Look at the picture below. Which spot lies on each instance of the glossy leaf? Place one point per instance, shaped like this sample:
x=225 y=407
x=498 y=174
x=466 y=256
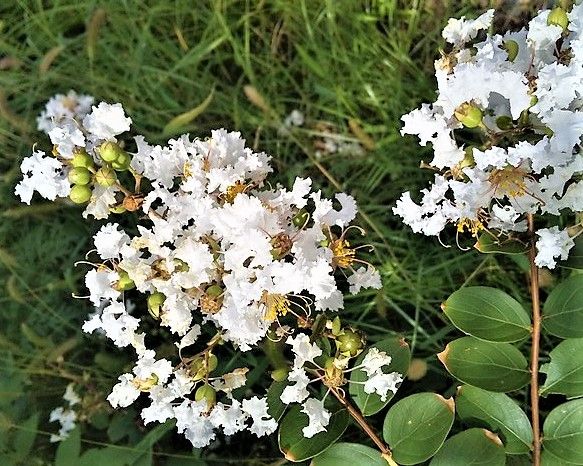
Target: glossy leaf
x=349 y=454
x=296 y=447
x=416 y=427
x=498 y=367
x=473 y=447
x=563 y=309
x=499 y=413
x=69 y=449
x=563 y=432
x=575 y=260
x=276 y=407
x=399 y=351
x=565 y=370
x=487 y=313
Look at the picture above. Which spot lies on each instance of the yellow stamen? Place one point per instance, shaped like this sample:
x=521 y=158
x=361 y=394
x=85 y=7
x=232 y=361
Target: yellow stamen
x=472 y=226
x=509 y=180
x=344 y=255
x=275 y=305
x=145 y=385
x=233 y=191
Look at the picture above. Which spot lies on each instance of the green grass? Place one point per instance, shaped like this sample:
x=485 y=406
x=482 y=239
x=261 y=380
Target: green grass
x=370 y=61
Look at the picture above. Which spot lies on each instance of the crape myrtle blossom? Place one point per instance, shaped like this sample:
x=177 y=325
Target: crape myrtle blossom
x=66 y=416
x=505 y=130
x=219 y=256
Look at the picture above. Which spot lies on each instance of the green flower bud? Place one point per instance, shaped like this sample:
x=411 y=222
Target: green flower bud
x=300 y=219
x=180 y=266
x=207 y=393
x=558 y=17
x=279 y=375
x=469 y=115
x=109 y=151
x=79 y=175
x=105 y=176
x=124 y=282
x=122 y=162
x=80 y=194
x=212 y=363
x=202 y=366
x=155 y=302
x=82 y=159
x=504 y=122
x=511 y=47
x=350 y=343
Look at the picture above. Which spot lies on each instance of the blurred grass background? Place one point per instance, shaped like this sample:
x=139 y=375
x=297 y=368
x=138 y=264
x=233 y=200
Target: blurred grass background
x=352 y=67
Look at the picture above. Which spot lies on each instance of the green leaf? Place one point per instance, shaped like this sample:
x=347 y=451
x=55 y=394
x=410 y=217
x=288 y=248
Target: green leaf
x=349 y=454
x=110 y=456
x=487 y=313
x=296 y=447
x=471 y=447
x=498 y=367
x=488 y=244
x=565 y=370
x=69 y=449
x=416 y=427
x=563 y=432
x=179 y=122
x=575 y=260
x=563 y=309
x=276 y=407
x=499 y=413
x=400 y=353
x=548 y=459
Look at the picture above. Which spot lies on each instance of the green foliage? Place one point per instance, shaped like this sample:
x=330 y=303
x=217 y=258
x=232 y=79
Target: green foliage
x=349 y=454
x=416 y=427
x=565 y=369
x=498 y=367
x=563 y=309
x=488 y=314
x=296 y=447
x=370 y=404
x=471 y=447
x=563 y=433
x=499 y=413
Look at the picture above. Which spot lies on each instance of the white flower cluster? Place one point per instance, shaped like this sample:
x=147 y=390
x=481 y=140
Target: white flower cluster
x=65 y=415
x=216 y=247
x=505 y=129
x=333 y=373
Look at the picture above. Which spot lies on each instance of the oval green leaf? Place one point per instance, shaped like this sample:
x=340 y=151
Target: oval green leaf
x=563 y=309
x=488 y=244
x=498 y=367
x=563 y=432
x=565 y=370
x=472 y=447
x=276 y=407
x=400 y=353
x=296 y=447
x=349 y=454
x=416 y=427
x=487 y=313
x=499 y=413
x=575 y=260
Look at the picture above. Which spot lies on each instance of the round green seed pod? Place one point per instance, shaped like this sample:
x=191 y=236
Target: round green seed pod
x=124 y=282
x=82 y=159
x=350 y=342
x=300 y=219
x=105 y=176
x=80 y=194
x=469 y=115
x=122 y=162
x=79 y=175
x=109 y=151
x=504 y=122
x=207 y=393
x=558 y=17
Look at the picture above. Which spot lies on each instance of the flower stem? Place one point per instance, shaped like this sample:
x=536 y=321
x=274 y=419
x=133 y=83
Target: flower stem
x=361 y=421
x=535 y=347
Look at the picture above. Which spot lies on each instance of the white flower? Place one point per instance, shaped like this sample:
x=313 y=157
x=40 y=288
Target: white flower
x=374 y=361
x=124 y=393
x=552 y=244
x=190 y=337
x=70 y=396
x=303 y=350
x=297 y=392
x=67 y=418
x=109 y=240
x=318 y=416
x=106 y=121
x=364 y=277
x=263 y=423
x=45 y=175
x=459 y=31
x=381 y=384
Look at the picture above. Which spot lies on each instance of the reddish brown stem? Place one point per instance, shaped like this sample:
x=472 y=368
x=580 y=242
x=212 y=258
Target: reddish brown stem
x=535 y=347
